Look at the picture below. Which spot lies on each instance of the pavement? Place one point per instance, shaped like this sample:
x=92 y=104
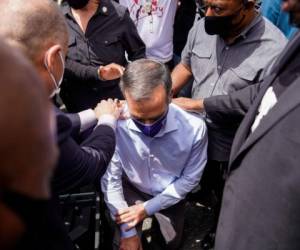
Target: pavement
x=198 y=222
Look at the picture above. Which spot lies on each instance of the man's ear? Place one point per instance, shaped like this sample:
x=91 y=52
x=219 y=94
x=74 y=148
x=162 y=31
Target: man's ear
x=249 y=4
x=51 y=57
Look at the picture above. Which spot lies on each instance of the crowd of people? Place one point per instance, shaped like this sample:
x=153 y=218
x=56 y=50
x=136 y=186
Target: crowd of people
x=107 y=94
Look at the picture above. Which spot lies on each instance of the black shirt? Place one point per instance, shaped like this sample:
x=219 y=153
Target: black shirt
x=109 y=34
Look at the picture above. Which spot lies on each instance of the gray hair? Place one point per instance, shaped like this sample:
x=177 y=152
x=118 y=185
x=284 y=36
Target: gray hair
x=144 y=75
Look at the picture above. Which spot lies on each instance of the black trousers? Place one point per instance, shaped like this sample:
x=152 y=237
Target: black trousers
x=170 y=220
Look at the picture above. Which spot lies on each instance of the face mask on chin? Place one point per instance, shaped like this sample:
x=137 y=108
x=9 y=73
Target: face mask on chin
x=151 y=129
x=56 y=84
x=77 y=4
x=221 y=25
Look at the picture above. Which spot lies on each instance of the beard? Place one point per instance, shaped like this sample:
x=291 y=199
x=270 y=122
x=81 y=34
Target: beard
x=294 y=20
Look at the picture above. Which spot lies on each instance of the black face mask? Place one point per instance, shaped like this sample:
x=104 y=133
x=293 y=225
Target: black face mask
x=220 y=25
x=77 y=4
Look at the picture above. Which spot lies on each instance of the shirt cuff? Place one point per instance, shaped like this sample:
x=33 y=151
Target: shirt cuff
x=108 y=120
x=129 y=233
x=152 y=206
x=87 y=119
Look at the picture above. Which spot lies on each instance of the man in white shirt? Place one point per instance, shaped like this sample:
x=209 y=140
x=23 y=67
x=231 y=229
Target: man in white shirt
x=159 y=157
x=154 y=20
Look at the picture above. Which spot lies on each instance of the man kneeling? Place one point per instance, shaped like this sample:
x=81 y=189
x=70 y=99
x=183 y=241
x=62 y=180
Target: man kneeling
x=159 y=158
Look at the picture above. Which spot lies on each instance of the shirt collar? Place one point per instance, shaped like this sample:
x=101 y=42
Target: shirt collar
x=256 y=20
x=170 y=125
x=103 y=9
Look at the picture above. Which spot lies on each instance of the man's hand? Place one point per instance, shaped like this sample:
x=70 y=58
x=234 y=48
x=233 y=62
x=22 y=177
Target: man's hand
x=189 y=104
x=131 y=215
x=110 y=72
x=124 y=112
x=131 y=243
x=109 y=107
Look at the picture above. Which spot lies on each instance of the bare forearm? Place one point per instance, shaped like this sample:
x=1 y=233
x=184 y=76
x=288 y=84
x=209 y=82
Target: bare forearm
x=189 y=104
x=180 y=76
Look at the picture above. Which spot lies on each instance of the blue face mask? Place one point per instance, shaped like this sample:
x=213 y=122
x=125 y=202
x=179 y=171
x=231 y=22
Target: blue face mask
x=151 y=129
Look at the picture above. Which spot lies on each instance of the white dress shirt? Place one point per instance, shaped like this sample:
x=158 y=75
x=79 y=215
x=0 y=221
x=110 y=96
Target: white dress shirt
x=167 y=166
x=88 y=119
x=267 y=103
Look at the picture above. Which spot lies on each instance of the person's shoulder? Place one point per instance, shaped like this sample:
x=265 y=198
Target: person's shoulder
x=122 y=127
x=118 y=9
x=188 y=120
x=198 y=25
x=198 y=36
x=65 y=8
x=272 y=33
x=63 y=125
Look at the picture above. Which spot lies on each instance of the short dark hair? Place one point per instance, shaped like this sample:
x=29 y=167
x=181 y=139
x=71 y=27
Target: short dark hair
x=142 y=76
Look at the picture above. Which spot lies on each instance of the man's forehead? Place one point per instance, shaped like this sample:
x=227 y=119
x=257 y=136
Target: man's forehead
x=216 y=1
x=220 y=2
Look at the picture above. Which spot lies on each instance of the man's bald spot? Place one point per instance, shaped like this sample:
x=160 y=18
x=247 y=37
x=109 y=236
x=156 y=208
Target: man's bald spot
x=33 y=25
x=27 y=144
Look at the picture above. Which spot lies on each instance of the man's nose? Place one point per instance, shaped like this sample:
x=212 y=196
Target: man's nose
x=209 y=11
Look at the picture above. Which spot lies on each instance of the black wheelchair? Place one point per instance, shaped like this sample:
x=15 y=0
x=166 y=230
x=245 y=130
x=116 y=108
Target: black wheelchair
x=84 y=218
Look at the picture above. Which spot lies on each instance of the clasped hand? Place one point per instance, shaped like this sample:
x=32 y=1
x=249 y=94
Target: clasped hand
x=131 y=215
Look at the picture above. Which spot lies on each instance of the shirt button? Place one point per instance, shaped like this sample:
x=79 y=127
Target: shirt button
x=219 y=67
x=227 y=48
x=106 y=42
x=104 y=9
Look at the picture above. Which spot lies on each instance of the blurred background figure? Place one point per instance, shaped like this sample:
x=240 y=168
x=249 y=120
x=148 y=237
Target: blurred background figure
x=27 y=151
x=154 y=21
x=100 y=33
x=184 y=20
x=78 y=164
x=271 y=9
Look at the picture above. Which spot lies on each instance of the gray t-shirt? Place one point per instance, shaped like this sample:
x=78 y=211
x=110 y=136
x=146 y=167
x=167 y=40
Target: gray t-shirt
x=219 y=68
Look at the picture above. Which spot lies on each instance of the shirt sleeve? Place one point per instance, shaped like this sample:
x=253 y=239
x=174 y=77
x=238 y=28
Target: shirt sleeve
x=230 y=109
x=108 y=120
x=133 y=44
x=87 y=119
x=187 y=51
x=187 y=181
x=111 y=185
x=76 y=70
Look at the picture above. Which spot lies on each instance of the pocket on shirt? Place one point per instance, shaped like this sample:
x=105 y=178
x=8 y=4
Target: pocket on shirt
x=74 y=52
x=109 y=50
x=241 y=77
x=202 y=66
x=200 y=61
